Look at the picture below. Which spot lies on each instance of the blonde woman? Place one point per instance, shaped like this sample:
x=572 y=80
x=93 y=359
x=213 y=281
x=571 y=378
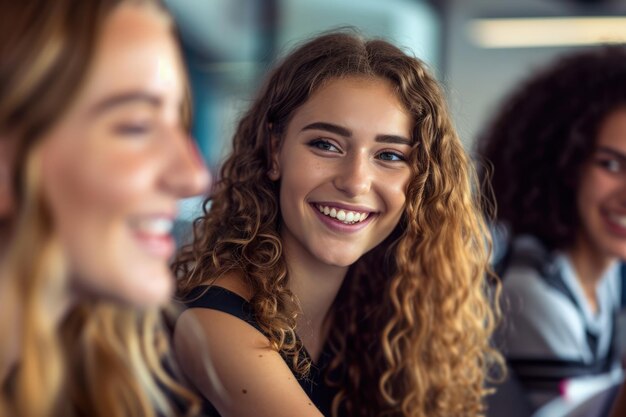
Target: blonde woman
x=93 y=158
x=339 y=268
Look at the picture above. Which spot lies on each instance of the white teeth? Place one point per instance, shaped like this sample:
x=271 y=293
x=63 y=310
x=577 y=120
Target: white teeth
x=347 y=217
x=621 y=220
x=154 y=226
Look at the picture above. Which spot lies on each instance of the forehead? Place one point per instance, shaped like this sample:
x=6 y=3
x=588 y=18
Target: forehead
x=612 y=131
x=365 y=102
x=136 y=50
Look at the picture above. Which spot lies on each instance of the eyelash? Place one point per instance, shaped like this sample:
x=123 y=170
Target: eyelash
x=401 y=157
x=610 y=165
x=318 y=143
x=324 y=145
x=133 y=129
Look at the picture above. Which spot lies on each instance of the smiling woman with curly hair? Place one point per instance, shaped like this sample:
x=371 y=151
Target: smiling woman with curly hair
x=558 y=150
x=343 y=248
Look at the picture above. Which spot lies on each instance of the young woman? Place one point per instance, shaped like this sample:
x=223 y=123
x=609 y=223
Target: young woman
x=93 y=158
x=558 y=149
x=339 y=267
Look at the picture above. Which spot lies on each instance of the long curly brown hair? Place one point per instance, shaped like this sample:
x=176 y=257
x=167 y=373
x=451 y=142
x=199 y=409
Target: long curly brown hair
x=417 y=303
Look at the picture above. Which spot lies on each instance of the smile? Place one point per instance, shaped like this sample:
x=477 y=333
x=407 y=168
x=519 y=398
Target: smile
x=344 y=216
x=155 y=226
x=621 y=220
x=153 y=233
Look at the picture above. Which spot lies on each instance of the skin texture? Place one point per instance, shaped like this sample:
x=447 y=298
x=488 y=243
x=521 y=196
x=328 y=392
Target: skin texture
x=359 y=172
x=601 y=202
x=363 y=171
x=115 y=164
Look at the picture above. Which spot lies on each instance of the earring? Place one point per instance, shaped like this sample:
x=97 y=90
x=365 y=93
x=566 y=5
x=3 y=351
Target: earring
x=273 y=174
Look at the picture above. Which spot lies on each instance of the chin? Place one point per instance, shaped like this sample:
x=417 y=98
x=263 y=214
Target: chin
x=341 y=262
x=148 y=289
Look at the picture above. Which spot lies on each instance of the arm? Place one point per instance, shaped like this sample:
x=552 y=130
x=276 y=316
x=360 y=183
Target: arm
x=248 y=377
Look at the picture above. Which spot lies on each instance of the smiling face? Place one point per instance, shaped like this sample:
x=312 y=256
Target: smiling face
x=116 y=163
x=343 y=171
x=602 y=192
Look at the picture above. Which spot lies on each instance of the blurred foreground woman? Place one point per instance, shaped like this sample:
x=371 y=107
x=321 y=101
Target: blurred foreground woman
x=93 y=158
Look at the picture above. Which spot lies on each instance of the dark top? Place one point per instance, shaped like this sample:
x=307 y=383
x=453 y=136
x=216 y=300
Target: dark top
x=221 y=299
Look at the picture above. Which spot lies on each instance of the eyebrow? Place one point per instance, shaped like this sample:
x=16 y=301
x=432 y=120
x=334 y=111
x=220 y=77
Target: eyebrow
x=123 y=99
x=345 y=132
x=611 y=151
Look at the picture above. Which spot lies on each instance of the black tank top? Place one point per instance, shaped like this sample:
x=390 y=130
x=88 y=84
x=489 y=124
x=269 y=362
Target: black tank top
x=314 y=384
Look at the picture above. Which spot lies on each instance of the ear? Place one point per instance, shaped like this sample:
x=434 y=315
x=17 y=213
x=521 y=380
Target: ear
x=274 y=171
x=6 y=185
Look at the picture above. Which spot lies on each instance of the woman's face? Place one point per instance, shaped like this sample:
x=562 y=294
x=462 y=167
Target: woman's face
x=602 y=192
x=343 y=171
x=116 y=163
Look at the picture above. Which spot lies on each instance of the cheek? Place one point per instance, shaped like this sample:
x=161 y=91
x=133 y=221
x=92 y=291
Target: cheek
x=91 y=201
x=84 y=186
x=596 y=188
x=598 y=192
x=396 y=192
x=75 y=194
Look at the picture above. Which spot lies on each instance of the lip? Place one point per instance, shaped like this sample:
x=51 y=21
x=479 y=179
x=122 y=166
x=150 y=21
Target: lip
x=339 y=227
x=156 y=244
x=349 y=207
x=614 y=227
x=160 y=246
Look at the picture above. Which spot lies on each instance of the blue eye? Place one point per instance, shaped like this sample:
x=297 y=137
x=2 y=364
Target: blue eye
x=391 y=156
x=611 y=165
x=323 y=145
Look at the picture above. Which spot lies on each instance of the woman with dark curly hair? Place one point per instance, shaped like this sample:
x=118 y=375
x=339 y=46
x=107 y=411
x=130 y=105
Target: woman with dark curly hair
x=339 y=266
x=558 y=150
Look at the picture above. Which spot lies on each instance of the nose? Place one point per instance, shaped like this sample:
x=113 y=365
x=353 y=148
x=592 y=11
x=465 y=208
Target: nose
x=354 y=176
x=187 y=174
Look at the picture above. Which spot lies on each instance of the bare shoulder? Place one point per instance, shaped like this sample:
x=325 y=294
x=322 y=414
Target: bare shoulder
x=235 y=282
x=233 y=365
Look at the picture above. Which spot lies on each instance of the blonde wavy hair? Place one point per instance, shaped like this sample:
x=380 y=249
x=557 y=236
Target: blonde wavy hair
x=104 y=359
x=413 y=319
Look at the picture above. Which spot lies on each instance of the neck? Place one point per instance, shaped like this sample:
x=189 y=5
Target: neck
x=315 y=285
x=590 y=265
x=316 y=290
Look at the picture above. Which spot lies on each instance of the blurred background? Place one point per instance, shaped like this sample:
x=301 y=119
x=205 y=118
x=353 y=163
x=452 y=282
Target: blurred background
x=478 y=49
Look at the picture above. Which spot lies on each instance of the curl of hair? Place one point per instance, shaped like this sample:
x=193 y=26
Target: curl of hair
x=544 y=133
x=416 y=303
x=104 y=359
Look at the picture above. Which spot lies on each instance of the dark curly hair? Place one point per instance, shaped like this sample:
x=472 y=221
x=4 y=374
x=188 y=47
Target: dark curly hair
x=543 y=135
x=413 y=320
